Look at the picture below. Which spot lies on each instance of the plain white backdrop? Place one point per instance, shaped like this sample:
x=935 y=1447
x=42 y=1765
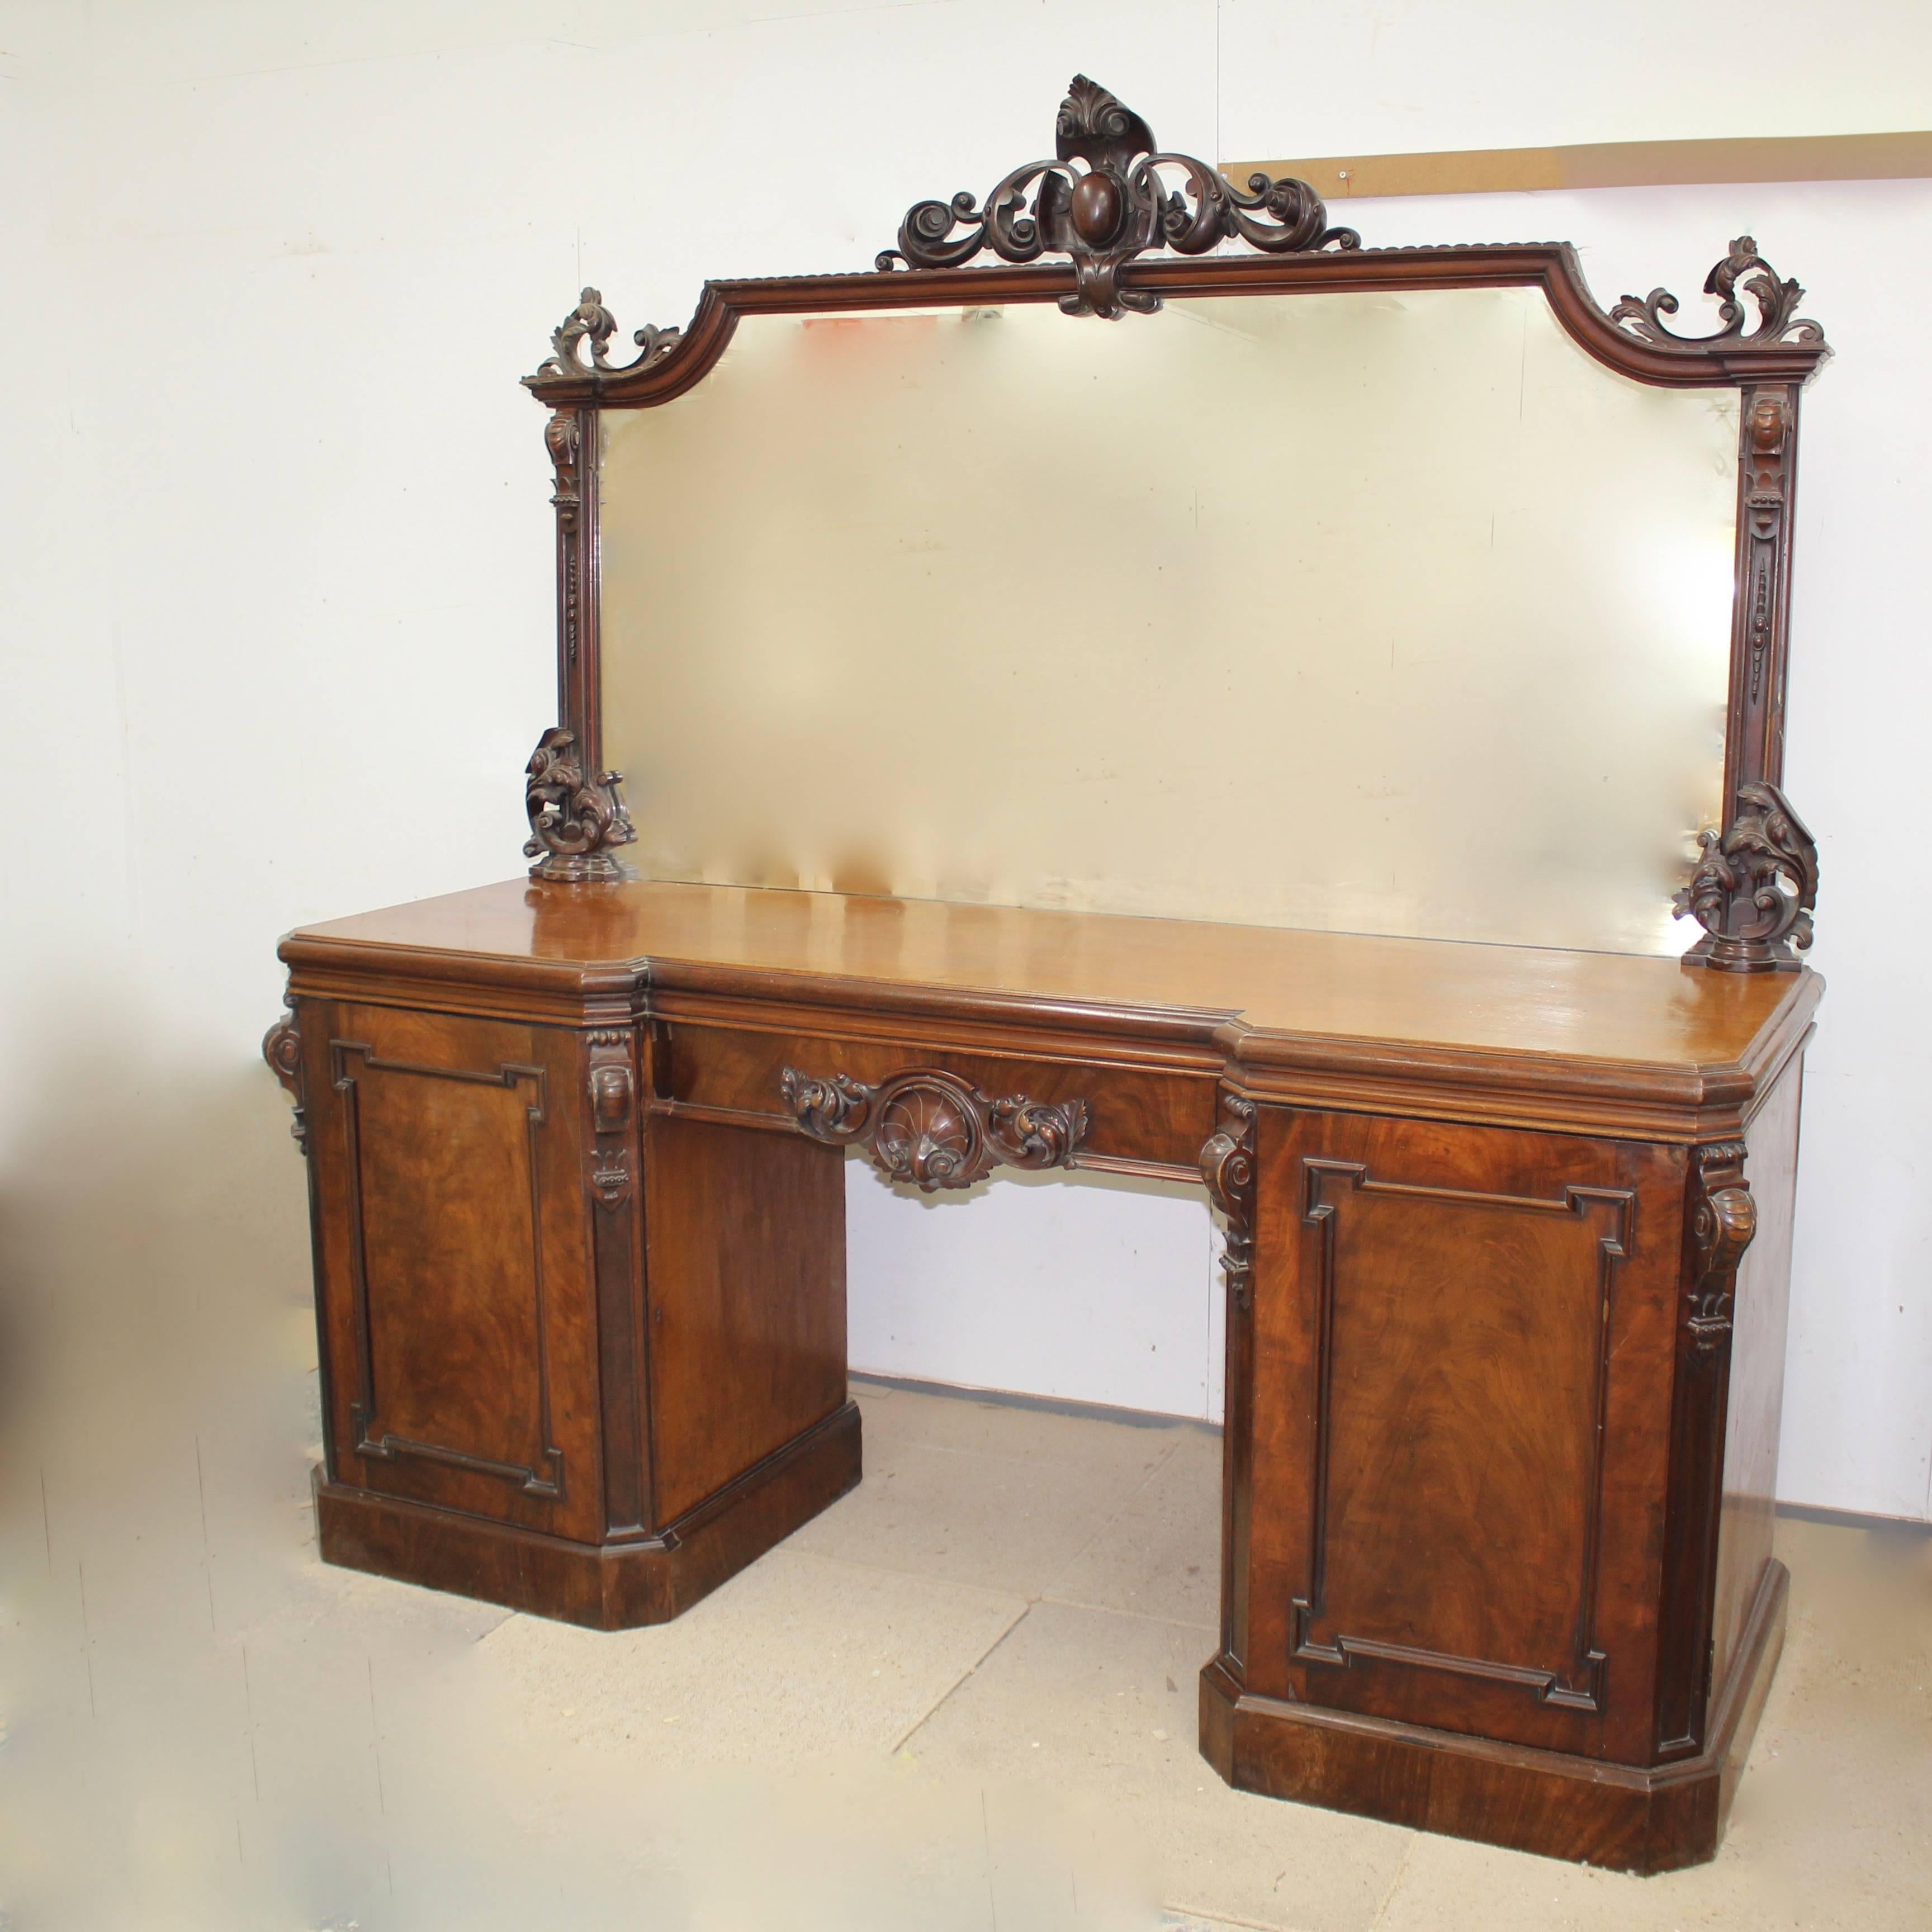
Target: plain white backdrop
x=277 y=588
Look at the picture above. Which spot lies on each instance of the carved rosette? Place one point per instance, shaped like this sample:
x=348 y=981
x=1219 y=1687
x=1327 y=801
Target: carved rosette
x=281 y=1048
x=933 y=1129
x=1723 y=1218
x=612 y=1095
x=590 y=322
x=1107 y=199
x=1228 y=1167
x=573 y=824
x=1776 y=302
x=1754 y=889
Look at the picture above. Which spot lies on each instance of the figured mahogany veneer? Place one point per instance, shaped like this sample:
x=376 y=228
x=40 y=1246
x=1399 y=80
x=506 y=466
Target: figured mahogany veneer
x=1508 y=1254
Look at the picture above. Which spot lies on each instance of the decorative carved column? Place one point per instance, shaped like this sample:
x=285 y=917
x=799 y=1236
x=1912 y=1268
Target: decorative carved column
x=612 y=1158
x=1721 y=1218
x=932 y=1128
x=1227 y=1165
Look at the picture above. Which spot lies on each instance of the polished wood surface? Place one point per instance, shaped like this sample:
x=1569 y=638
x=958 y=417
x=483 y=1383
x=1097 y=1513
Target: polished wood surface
x=1513 y=1000
x=745 y=1264
x=1496 y=1505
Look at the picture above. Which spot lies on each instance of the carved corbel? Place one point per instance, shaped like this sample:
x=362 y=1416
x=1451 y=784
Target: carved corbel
x=1105 y=200
x=1723 y=1218
x=574 y=823
x=1754 y=889
x=281 y=1048
x=932 y=1128
x=1228 y=1167
x=612 y=1094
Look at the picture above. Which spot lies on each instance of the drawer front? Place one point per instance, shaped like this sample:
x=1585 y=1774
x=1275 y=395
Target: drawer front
x=1463 y=1343
x=1149 y=1120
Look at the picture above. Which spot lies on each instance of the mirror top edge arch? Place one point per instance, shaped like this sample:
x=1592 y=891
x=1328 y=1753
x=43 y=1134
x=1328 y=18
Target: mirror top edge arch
x=674 y=361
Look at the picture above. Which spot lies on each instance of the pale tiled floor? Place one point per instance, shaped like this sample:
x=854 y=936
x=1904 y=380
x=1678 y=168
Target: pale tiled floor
x=965 y=1697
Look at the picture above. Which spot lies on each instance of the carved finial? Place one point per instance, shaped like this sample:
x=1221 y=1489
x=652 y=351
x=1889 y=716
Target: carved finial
x=572 y=823
x=1755 y=888
x=1776 y=303
x=1114 y=205
x=933 y=1128
x=591 y=322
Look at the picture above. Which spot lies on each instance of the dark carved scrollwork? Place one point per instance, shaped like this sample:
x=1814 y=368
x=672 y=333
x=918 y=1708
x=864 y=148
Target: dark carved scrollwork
x=281 y=1048
x=932 y=1128
x=1776 y=302
x=1228 y=1167
x=1723 y=1218
x=573 y=824
x=591 y=322
x=1754 y=889
x=1115 y=206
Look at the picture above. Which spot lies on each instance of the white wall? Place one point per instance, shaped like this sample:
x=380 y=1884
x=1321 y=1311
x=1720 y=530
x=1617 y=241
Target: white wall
x=276 y=591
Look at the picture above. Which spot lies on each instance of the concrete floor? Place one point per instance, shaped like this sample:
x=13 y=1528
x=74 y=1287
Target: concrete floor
x=965 y=1697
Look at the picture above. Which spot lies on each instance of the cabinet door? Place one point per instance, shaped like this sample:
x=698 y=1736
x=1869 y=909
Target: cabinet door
x=1463 y=1352
x=457 y=1312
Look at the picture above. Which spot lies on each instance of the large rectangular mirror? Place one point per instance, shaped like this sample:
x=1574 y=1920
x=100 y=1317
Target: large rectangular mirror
x=1380 y=612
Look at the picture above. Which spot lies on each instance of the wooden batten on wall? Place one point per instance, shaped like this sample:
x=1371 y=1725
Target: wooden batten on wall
x=1902 y=156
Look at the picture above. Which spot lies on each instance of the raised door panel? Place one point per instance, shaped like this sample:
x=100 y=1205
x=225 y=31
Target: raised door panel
x=461 y=1338
x=1462 y=1365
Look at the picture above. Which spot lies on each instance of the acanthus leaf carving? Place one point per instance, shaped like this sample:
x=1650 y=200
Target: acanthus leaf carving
x=1228 y=1167
x=1755 y=886
x=281 y=1048
x=933 y=1129
x=1107 y=199
x=590 y=322
x=573 y=822
x=1723 y=1218
x=1776 y=302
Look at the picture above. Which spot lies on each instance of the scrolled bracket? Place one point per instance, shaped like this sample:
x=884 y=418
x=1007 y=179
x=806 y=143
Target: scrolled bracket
x=1228 y=1167
x=1723 y=1218
x=281 y=1048
x=933 y=1129
x=1755 y=888
x=573 y=822
x=1775 y=301
x=1105 y=199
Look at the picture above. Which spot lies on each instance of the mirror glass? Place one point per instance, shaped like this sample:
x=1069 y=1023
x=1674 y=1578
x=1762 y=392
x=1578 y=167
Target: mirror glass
x=1392 y=613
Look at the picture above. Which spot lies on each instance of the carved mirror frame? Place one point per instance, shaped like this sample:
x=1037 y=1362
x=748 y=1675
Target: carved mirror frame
x=1109 y=200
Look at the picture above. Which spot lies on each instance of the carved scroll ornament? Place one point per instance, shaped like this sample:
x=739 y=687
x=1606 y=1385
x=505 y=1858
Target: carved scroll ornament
x=1114 y=205
x=1228 y=1167
x=1723 y=1218
x=1754 y=889
x=1776 y=302
x=281 y=1048
x=932 y=1128
x=591 y=322
x=573 y=824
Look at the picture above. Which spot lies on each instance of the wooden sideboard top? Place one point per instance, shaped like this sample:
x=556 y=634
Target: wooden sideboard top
x=1631 y=1009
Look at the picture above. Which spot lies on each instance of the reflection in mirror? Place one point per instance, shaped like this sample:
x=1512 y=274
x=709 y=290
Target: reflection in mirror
x=1380 y=613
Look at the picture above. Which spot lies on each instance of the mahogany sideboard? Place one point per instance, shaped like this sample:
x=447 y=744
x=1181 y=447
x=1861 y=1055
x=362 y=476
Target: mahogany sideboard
x=1507 y=1260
